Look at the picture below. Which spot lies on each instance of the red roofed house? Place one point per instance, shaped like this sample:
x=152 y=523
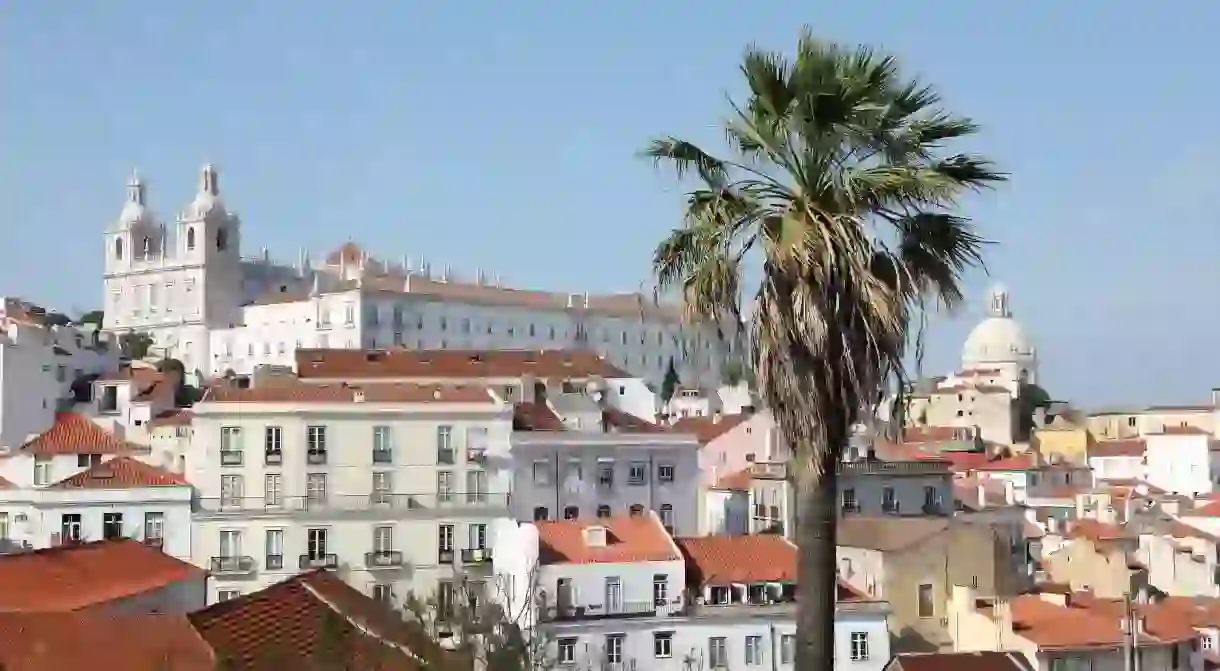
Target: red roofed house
x=620 y=589
x=77 y=482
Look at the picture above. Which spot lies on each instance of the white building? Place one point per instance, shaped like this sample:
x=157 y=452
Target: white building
x=574 y=458
x=393 y=484
x=1117 y=459
x=76 y=482
x=186 y=284
x=623 y=592
x=1180 y=460
x=39 y=363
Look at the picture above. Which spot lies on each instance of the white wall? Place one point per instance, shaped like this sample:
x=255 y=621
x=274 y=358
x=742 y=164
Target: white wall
x=1180 y=464
x=1117 y=468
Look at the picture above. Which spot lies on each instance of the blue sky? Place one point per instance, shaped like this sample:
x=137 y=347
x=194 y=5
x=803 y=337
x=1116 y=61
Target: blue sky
x=502 y=136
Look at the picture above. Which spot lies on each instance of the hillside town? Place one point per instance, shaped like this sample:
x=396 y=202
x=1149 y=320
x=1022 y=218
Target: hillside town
x=241 y=458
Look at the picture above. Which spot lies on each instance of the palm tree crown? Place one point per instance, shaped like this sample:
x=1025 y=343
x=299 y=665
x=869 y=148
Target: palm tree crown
x=837 y=180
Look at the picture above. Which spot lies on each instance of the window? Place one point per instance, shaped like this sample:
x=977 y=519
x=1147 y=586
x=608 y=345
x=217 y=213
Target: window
x=859 y=646
x=476 y=537
x=1131 y=422
x=930 y=498
x=542 y=472
x=636 y=510
x=88 y=460
x=660 y=589
x=571 y=513
x=614 y=648
x=118 y=249
x=190 y=239
x=787 y=649
x=718 y=652
x=231 y=490
x=444 y=444
x=476 y=486
x=666 y=513
x=754 y=652
x=70 y=528
x=316 y=543
x=383 y=539
x=230 y=544
x=575 y=473
x=567 y=651
x=382 y=445
x=540 y=514
x=112 y=525
x=275 y=549
x=444 y=485
x=227 y=594
x=637 y=473
x=42 y=471
x=444 y=537
x=222 y=239
x=273 y=490
x=273 y=445
x=889 y=500
x=230 y=445
x=383 y=486
x=315 y=488
x=315 y=439
x=603 y=511
x=4 y=528
x=614 y=595
x=662 y=644
x=605 y=474
x=665 y=472
x=926 y=604
x=383 y=594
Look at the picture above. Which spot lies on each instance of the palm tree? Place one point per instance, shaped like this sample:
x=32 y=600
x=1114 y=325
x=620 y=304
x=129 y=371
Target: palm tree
x=839 y=187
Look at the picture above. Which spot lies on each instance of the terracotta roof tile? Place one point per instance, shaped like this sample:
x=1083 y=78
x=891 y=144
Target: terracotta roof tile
x=959 y=661
x=442 y=364
x=536 y=417
x=101 y=641
x=1117 y=448
x=121 y=473
x=1179 y=431
x=721 y=560
x=1084 y=622
x=739 y=481
x=1097 y=531
x=299 y=392
x=74 y=433
x=74 y=577
x=628 y=539
x=920 y=434
x=1200 y=611
x=300 y=622
x=618 y=421
x=1209 y=509
x=347 y=253
x=707 y=429
x=1018 y=462
x=174 y=417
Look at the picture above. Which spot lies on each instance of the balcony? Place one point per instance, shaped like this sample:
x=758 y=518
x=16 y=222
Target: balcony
x=383 y=559
x=476 y=556
x=274 y=563
x=274 y=458
x=238 y=565
x=444 y=556
x=476 y=455
x=230 y=457
x=383 y=456
x=567 y=613
x=477 y=503
x=315 y=457
x=889 y=507
x=768 y=470
x=932 y=508
x=312 y=561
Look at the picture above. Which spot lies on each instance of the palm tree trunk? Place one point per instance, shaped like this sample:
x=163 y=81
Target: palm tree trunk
x=817 y=583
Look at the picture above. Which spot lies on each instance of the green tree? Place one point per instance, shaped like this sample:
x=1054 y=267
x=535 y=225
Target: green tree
x=669 y=386
x=836 y=181
x=134 y=345
x=93 y=317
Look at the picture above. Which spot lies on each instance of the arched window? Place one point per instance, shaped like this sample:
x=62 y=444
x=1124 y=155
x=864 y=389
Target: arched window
x=147 y=247
x=222 y=239
x=118 y=249
x=571 y=513
x=603 y=511
x=540 y=514
x=190 y=238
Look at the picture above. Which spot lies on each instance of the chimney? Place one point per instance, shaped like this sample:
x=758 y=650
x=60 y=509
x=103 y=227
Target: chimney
x=1216 y=396
x=982 y=496
x=358 y=397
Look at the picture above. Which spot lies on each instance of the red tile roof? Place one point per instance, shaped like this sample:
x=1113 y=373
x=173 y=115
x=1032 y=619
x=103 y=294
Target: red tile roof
x=628 y=539
x=707 y=429
x=121 y=473
x=1097 y=531
x=175 y=417
x=5 y=484
x=441 y=364
x=74 y=577
x=928 y=434
x=1085 y=622
x=1018 y=462
x=1118 y=448
x=74 y=433
x=540 y=417
x=1209 y=509
x=958 y=661
x=299 y=392
x=1179 y=431
x=315 y=619
x=101 y=641
x=720 y=560
x=618 y=421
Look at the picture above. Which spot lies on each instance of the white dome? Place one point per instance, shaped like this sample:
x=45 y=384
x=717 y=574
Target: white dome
x=997 y=340
x=135 y=212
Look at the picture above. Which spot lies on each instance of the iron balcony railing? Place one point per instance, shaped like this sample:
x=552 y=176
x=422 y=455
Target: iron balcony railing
x=230 y=457
x=595 y=611
x=444 y=556
x=274 y=458
x=315 y=457
x=340 y=503
x=476 y=556
x=383 y=559
x=232 y=565
x=314 y=560
x=274 y=562
x=383 y=456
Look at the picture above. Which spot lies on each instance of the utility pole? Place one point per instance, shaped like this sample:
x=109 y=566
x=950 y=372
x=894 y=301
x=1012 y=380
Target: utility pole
x=1125 y=625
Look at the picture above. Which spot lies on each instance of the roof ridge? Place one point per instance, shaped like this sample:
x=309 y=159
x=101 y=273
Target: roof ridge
x=361 y=626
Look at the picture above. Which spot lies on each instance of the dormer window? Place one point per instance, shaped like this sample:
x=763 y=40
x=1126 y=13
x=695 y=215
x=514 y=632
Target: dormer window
x=596 y=536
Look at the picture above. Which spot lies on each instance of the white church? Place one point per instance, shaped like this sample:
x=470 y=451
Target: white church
x=997 y=359
x=186 y=284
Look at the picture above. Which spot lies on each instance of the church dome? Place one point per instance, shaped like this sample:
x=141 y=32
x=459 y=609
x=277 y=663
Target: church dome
x=998 y=338
x=207 y=199
x=135 y=211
